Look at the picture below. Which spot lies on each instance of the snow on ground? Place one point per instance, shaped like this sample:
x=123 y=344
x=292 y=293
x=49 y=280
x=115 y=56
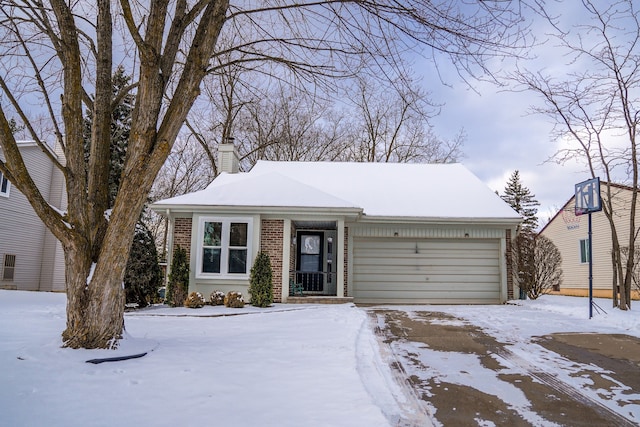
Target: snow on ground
x=285 y=366
x=289 y=365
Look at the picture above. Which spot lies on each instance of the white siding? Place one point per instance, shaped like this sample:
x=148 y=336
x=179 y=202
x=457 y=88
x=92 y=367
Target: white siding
x=402 y=270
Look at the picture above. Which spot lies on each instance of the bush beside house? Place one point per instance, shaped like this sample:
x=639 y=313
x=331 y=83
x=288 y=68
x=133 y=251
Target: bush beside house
x=216 y=298
x=234 y=299
x=194 y=300
x=261 y=281
x=178 y=286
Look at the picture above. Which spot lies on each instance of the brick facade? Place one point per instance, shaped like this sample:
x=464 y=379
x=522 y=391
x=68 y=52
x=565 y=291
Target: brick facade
x=509 y=261
x=271 y=241
x=182 y=229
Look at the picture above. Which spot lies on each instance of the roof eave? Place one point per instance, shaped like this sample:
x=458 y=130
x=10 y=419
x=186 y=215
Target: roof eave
x=495 y=221
x=165 y=209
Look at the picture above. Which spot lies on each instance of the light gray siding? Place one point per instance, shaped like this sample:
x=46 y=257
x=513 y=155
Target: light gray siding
x=23 y=234
x=436 y=271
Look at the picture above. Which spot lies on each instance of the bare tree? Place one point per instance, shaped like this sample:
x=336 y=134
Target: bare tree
x=62 y=55
x=184 y=171
x=537 y=262
x=290 y=124
x=547 y=273
x=390 y=123
x=597 y=109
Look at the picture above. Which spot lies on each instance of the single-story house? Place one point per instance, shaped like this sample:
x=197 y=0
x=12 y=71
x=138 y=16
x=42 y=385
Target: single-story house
x=366 y=232
x=570 y=233
x=31 y=258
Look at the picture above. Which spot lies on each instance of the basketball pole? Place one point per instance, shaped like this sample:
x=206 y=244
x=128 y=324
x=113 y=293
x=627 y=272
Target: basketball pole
x=590 y=272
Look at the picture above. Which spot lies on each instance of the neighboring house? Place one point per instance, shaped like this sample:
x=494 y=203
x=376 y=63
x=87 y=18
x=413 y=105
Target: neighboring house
x=570 y=233
x=31 y=258
x=367 y=232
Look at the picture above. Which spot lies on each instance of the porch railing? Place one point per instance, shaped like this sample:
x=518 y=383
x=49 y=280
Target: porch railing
x=315 y=281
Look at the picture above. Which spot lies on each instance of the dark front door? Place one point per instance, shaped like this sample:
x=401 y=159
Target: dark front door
x=310 y=260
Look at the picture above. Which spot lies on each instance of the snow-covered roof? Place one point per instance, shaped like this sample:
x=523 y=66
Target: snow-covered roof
x=376 y=189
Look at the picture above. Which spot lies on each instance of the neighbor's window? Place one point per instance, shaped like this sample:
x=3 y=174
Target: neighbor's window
x=9 y=267
x=225 y=246
x=584 y=251
x=4 y=185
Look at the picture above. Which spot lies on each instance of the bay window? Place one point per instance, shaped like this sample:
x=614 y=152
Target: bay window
x=224 y=246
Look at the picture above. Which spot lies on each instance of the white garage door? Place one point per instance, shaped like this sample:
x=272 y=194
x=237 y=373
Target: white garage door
x=436 y=271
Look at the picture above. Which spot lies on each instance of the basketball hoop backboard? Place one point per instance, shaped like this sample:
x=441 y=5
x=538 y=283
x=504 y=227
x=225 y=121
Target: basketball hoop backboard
x=588 y=197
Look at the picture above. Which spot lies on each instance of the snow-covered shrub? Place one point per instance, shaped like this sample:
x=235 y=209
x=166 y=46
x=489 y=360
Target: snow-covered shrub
x=234 y=299
x=216 y=298
x=194 y=300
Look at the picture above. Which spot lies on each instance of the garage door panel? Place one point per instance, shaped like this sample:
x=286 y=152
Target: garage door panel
x=399 y=263
x=427 y=270
x=399 y=279
x=431 y=287
x=439 y=244
x=435 y=296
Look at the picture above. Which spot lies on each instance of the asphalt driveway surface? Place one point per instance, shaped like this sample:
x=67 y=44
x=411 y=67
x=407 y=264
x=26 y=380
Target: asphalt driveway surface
x=464 y=377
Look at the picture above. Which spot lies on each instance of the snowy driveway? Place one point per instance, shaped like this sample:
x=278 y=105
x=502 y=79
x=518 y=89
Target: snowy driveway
x=509 y=365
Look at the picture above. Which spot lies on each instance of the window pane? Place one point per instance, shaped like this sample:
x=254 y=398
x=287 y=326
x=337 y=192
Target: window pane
x=238 y=234
x=3 y=184
x=584 y=250
x=238 y=261
x=211 y=260
x=212 y=234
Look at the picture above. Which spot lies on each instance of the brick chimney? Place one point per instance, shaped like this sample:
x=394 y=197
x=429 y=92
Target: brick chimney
x=228 y=158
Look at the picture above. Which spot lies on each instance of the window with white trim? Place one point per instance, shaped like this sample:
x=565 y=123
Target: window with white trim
x=584 y=251
x=4 y=185
x=224 y=247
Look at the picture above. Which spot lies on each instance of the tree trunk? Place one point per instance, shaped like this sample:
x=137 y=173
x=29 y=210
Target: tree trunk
x=95 y=301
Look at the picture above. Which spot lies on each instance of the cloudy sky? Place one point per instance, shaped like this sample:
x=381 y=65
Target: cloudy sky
x=502 y=134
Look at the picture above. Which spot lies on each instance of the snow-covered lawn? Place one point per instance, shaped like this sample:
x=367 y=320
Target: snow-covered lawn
x=289 y=365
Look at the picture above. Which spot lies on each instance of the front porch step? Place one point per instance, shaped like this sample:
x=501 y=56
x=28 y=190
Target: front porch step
x=311 y=299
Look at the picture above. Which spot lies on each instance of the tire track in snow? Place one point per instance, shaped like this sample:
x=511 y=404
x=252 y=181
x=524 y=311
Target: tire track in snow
x=371 y=345
x=510 y=359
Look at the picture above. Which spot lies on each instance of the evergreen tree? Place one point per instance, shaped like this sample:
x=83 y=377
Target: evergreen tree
x=14 y=127
x=522 y=201
x=178 y=278
x=261 y=281
x=120 y=130
x=143 y=276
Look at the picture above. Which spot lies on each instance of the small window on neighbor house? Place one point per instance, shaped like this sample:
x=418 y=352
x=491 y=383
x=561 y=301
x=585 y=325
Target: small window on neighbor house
x=584 y=251
x=9 y=267
x=4 y=185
